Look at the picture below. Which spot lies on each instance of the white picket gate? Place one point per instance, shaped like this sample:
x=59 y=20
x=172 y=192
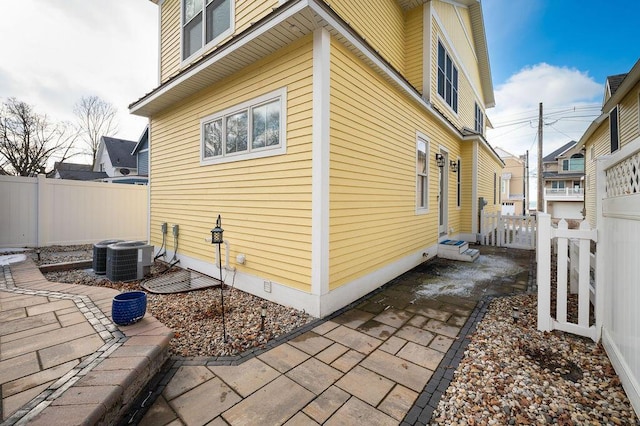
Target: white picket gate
x=561 y=237
x=513 y=231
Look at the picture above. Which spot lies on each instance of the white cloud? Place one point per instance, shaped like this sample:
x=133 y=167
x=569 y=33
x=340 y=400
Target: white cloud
x=571 y=101
x=75 y=48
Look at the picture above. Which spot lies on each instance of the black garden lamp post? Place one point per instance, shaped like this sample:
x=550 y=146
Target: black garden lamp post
x=216 y=238
x=263 y=314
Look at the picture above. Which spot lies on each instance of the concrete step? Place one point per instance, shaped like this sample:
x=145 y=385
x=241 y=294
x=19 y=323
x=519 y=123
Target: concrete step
x=469 y=255
x=452 y=247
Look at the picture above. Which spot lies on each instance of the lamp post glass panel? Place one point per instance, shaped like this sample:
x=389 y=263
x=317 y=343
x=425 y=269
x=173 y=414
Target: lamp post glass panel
x=216 y=238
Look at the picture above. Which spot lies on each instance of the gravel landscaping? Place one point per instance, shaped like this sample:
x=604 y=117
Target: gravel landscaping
x=512 y=374
x=195 y=317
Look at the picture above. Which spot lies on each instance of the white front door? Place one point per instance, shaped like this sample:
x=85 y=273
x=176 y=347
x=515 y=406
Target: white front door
x=442 y=196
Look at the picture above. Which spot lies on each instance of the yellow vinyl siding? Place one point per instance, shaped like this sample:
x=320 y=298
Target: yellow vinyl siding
x=373 y=218
x=380 y=23
x=247 y=12
x=414 y=47
x=466 y=166
x=170 y=28
x=600 y=140
x=266 y=202
x=628 y=116
x=487 y=166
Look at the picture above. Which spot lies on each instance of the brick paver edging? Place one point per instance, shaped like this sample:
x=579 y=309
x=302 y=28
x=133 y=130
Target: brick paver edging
x=107 y=330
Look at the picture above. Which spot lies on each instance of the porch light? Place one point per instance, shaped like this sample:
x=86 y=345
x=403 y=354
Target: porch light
x=453 y=165
x=216 y=233
x=439 y=160
x=216 y=238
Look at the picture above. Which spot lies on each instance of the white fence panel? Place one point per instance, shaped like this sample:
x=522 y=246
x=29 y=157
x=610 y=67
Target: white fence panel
x=560 y=237
x=508 y=230
x=42 y=212
x=618 y=221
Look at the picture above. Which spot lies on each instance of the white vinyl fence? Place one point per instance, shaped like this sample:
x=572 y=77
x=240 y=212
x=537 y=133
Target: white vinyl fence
x=506 y=230
x=617 y=268
x=36 y=212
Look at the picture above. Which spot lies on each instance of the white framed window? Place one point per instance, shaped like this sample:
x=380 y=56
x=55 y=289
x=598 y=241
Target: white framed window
x=479 y=122
x=447 y=78
x=422 y=174
x=253 y=129
x=205 y=22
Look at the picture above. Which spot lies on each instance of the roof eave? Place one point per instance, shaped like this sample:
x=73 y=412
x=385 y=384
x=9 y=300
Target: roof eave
x=627 y=84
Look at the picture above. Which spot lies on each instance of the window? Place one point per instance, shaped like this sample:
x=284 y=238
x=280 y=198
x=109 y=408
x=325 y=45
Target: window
x=447 y=78
x=575 y=163
x=593 y=153
x=250 y=130
x=557 y=184
x=203 y=22
x=479 y=126
x=459 y=185
x=422 y=170
x=613 y=127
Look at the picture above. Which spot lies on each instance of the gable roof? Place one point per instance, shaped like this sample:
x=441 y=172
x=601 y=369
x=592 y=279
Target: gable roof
x=72 y=166
x=143 y=141
x=81 y=174
x=614 y=81
x=551 y=158
x=119 y=151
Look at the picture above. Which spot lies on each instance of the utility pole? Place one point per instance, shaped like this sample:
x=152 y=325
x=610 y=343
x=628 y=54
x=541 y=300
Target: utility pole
x=525 y=183
x=540 y=203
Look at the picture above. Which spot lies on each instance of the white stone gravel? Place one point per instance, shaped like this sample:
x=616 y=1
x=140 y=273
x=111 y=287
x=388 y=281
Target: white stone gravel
x=513 y=374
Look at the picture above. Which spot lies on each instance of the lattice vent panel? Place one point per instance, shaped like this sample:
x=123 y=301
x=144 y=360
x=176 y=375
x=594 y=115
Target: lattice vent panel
x=624 y=177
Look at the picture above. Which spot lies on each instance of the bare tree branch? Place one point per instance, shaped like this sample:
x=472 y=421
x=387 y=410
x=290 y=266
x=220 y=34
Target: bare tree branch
x=29 y=139
x=95 y=118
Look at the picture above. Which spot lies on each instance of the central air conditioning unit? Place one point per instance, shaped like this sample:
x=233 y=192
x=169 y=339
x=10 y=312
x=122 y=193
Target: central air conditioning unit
x=100 y=256
x=129 y=260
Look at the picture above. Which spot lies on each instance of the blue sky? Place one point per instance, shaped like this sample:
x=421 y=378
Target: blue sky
x=598 y=37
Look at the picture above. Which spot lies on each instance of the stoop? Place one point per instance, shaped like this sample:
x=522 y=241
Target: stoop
x=457 y=250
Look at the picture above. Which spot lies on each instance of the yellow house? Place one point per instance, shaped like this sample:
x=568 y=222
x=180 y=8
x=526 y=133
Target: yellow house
x=514 y=191
x=617 y=126
x=339 y=142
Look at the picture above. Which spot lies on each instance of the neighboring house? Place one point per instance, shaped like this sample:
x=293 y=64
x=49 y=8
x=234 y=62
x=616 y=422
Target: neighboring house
x=75 y=171
x=563 y=180
x=141 y=152
x=118 y=158
x=318 y=132
x=514 y=190
x=617 y=126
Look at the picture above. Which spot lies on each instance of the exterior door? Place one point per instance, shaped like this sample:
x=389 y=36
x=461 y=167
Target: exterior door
x=442 y=196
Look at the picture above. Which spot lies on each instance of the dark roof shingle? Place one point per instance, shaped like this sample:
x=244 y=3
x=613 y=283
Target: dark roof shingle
x=119 y=151
x=550 y=158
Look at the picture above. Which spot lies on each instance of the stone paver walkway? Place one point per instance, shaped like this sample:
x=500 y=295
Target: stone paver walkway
x=62 y=360
x=385 y=361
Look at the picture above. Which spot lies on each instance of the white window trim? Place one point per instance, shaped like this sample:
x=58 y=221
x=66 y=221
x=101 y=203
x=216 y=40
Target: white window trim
x=455 y=64
x=262 y=152
x=422 y=137
x=184 y=62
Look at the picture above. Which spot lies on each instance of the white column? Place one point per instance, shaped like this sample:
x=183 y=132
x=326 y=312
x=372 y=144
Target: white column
x=320 y=164
x=544 y=272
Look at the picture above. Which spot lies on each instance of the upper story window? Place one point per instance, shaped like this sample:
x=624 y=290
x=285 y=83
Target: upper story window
x=447 y=78
x=613 y=128
x=203 y=22
x=479 y=124
x=573 y=164
x=249 y=130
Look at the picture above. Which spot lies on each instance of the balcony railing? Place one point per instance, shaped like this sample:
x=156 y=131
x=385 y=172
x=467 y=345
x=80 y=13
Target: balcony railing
x=564 y=193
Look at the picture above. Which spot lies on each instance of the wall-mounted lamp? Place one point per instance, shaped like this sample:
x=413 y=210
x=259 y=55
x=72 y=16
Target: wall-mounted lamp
x=439 y=160
x=453 y=165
